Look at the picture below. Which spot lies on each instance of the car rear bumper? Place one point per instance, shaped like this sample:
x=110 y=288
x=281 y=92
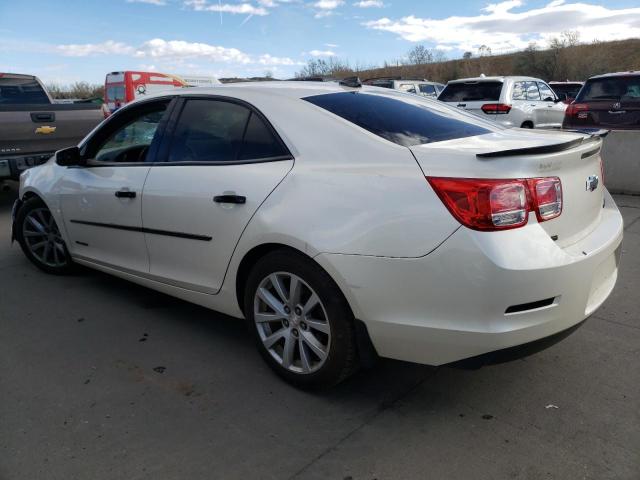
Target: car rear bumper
x=480 y=292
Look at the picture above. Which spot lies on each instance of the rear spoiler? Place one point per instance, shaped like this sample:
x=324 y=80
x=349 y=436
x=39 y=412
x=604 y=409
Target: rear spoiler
x=593 y=133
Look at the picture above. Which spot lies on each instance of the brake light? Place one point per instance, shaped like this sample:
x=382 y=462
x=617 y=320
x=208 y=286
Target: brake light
x=499 y=204
x=496 y=108
x=576 y=110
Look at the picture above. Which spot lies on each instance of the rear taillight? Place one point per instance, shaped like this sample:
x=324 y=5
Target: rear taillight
x=576 y=110
x=496 y=108
x=499 y=204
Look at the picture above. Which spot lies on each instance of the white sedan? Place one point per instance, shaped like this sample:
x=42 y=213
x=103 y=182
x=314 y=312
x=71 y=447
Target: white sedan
x=340 y=221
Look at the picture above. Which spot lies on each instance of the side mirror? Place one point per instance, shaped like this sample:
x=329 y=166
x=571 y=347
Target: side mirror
x=69 y=157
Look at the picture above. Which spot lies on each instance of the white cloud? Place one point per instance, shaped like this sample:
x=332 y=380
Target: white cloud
x=150 y=2
x=235 y=8
x=109 y=47
x=325 y=8
x=331 y=45
x=502 y=29
x=322 y=53
x=176 y=51
x=369 y=4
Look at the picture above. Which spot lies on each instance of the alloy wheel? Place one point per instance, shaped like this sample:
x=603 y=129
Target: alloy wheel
x=292 y=322
x=43 y=238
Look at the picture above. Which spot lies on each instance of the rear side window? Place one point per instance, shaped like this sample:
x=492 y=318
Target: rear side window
x=219 y=131
x=611 y=88
x=471 y=92
x=400 y=122
x=21 y=91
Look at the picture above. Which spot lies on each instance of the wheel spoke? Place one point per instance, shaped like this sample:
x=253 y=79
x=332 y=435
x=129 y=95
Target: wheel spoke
x=31 y=233
x=38 y=245
x=267 y=317
x=45 y=255
x=311 y=303
x=59 y=246
x=318 y=325
x=36 y=224
x=304 y=357
x=41 y=217
x=294 y=290
x=279 y=287
x=55 y=254
x=289 y=348
x=274 y=337
x=313 y=343
x=276 y=305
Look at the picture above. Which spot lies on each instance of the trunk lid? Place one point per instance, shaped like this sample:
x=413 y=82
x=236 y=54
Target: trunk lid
x=573 y=158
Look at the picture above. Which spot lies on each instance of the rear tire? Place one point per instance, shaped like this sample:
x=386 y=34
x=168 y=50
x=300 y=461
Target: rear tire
x=527 y=125
x=40 y=238
x=301 y=322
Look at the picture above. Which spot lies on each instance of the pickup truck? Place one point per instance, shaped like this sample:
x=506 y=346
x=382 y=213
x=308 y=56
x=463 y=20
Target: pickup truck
x=33 y=126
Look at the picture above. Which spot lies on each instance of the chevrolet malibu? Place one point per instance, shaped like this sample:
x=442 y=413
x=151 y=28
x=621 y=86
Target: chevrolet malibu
x=341 y=221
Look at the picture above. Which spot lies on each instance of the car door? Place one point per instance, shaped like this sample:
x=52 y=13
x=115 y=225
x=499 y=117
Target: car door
x=101 y=200
x=221 y=162
x=554 y=112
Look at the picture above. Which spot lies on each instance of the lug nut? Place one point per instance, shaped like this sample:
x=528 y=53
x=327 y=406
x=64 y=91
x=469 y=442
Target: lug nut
x=298 y=311
x=287 y=310
x=294 y=332
x=303 y=325
x=285 y=323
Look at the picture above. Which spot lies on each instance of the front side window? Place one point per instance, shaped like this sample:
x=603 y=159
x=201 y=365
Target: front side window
x=130 y=142
x=398 y=121
x=532 y=91
x=546 y=93
x=525 y=91
x=221 y=131
x=407 y=87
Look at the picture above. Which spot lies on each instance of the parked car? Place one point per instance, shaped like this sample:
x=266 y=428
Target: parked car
x=33 y=126
x=304 y=208
x=607 y=101
x=121 y=88
x=420 y=87
x=566 y=91
x=523 y=102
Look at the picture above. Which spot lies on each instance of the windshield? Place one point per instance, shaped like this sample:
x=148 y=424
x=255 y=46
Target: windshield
x=471 y=92
x=611 y=88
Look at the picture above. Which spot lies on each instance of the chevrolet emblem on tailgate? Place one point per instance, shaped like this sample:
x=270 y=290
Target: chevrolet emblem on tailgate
x=592 y=183
x=45 y=130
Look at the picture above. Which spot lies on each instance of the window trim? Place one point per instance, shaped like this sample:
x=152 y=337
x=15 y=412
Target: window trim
x=117 y=117
x=174 y=117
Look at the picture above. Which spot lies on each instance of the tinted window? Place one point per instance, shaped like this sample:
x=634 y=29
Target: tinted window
x=545 y=92
x=15 y=91
x=395 y=120
x=209 y=131
x=259 y=142
x=471 y=91
x=570 y=89
x=612 y=88
x=131 y=140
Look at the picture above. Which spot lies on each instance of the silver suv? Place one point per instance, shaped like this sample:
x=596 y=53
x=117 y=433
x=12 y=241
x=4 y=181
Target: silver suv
x=524 y=102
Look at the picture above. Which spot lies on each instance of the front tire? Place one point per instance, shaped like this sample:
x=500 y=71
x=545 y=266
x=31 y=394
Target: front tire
x=40 y=238
x=302 y=324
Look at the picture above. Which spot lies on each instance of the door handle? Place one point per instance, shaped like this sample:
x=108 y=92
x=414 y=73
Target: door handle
x=125 y=194
x=43 y=117
x=237 y=199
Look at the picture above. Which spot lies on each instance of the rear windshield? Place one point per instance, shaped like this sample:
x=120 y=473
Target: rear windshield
x=570 y=89
x=400 y=122
x=611 y=88
x=115 y=93
x=471 y=92
x=21 y=91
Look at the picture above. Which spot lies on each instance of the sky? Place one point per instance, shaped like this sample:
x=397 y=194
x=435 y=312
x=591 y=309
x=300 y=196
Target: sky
x=63 y=41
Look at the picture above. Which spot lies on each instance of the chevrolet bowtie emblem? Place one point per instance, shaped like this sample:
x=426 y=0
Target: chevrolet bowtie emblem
x=45 y=130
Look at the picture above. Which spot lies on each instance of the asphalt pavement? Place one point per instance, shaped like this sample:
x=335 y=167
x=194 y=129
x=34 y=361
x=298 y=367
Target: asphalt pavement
x=103 y=379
